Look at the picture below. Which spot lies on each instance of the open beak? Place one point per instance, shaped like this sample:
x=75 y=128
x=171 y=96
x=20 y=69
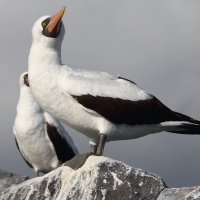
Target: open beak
x=54 y=25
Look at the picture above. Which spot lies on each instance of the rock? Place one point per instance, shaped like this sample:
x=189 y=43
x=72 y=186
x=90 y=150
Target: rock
x=45 y=187
x=99 y=178
x=77 y=161
x=7 y=179
x=192 y=193
x=88 y=177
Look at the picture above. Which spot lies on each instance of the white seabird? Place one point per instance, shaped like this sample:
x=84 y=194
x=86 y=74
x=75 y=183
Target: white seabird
x=42 y=140
x=101 y=106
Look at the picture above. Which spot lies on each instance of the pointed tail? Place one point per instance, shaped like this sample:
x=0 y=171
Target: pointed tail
x=189 y=126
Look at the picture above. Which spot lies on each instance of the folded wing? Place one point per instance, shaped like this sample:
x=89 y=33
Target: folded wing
x=119 y=101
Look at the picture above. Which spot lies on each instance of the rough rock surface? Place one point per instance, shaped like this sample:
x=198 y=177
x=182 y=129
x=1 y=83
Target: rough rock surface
x=7 y=179
x=192 y=193
x=99 y=178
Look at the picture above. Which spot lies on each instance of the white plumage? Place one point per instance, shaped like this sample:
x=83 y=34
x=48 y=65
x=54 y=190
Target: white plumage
x=41 y=139
x=94 y=103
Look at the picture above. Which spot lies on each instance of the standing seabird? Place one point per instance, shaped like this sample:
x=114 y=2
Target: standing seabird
x=101 y=106
x=42 y=141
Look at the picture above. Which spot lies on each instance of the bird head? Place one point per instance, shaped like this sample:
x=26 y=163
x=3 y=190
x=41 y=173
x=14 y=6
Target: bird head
x=49 y=29
x=23 y=80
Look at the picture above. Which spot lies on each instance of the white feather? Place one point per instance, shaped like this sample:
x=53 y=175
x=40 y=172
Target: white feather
x=30 y=132
x=53 y=85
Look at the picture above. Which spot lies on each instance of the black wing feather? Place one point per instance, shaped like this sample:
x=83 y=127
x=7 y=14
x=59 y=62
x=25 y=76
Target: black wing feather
x=120 y=111
x=63 y=150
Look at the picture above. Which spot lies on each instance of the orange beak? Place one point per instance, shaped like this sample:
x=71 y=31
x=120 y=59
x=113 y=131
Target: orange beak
x=55 y=19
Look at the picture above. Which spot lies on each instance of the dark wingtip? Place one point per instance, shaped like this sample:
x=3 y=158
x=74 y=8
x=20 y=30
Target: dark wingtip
x=63 y=150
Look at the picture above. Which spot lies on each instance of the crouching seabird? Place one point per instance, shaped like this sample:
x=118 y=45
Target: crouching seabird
x=42 y=141
x=101 y=106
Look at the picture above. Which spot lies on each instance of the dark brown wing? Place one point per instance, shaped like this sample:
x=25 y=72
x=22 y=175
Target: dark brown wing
x=63 y=150
x=120 y=111
x=29 y=164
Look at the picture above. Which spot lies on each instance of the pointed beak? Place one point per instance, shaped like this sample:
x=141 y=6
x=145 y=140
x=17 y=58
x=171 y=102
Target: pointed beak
x=55 y=20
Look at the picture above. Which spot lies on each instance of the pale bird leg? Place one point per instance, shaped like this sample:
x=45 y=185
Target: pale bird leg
x=93 y=148
x=36 y=173
x=101 y=145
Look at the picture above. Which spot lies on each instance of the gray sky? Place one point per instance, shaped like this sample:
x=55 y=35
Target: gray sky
x=153 y=43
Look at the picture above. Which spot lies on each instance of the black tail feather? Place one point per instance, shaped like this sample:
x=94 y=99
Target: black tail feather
x=184 y=128
x=187 y=118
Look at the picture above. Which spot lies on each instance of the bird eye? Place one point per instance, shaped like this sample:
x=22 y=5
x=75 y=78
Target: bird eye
x=44 y=24
x=25 y=76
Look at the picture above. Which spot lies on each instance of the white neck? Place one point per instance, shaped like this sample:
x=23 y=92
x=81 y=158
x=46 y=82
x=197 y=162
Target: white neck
x=27 y=105
x=48 y=56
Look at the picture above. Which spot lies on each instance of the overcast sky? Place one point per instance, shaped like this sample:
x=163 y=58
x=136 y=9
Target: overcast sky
x=153 y=43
